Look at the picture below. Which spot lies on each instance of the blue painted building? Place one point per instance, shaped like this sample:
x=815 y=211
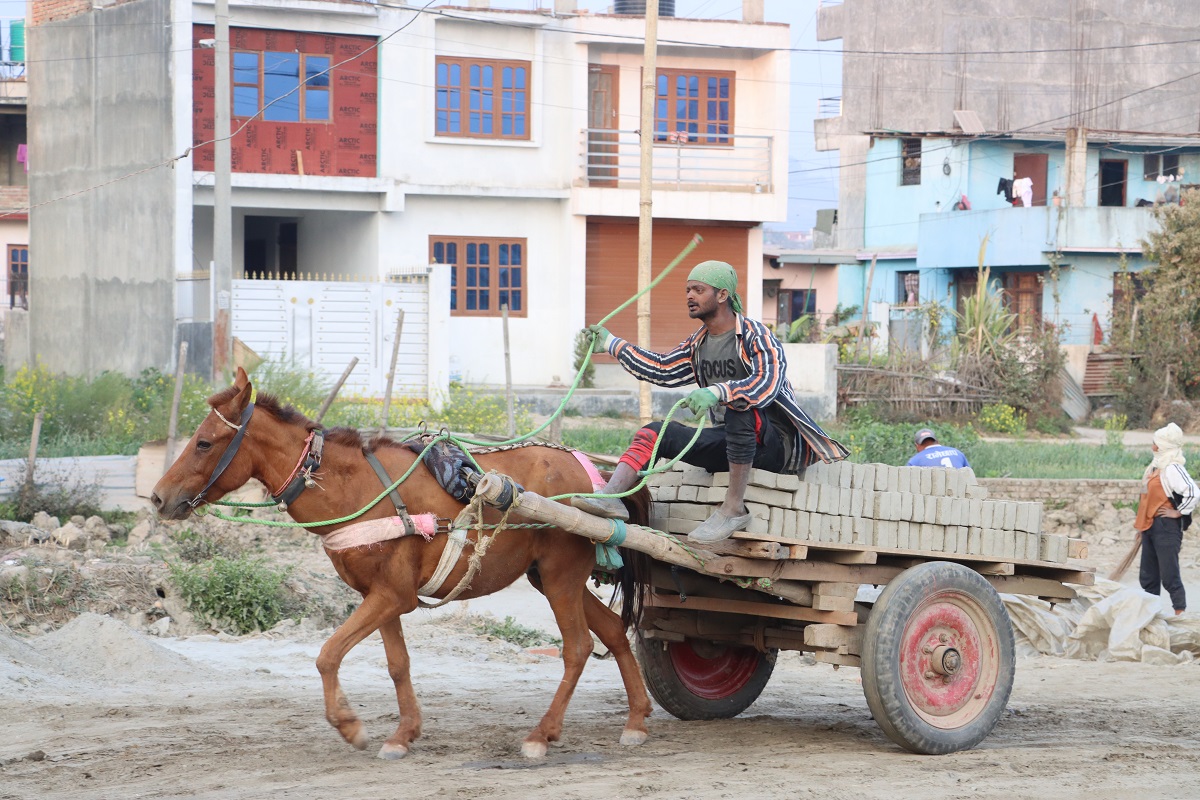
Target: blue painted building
x=929 y=201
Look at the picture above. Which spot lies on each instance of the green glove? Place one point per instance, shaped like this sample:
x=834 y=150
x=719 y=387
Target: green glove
x=599 y=344
x=700 y=401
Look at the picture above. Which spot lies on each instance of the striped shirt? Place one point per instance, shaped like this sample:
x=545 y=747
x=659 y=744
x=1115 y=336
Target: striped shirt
x=767 y=384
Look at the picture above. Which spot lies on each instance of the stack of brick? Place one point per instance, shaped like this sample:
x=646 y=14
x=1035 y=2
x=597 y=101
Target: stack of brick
x=869 y=505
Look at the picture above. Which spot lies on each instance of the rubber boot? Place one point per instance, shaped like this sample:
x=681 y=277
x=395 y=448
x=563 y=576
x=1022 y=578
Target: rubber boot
x=623 y=477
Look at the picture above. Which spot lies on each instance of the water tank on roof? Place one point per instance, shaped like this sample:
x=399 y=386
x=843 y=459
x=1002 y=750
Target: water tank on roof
x=666 y=8
x=16 y=39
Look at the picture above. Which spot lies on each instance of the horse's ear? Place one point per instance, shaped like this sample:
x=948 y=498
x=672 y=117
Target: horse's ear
x=245 y=394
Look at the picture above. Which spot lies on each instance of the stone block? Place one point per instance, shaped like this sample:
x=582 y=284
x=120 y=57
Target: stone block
x=885 y=533
x=845 y=499
x=697 y=476
x=759 y=511
x=866 y=478
x=775 y=521
x=942 y=511
x=790 y=517
x=1010 y=517
x=858 y=502
x=817 y=473
x=884 y=502
x=788 y=483
x=974 y=540
x=688 y=493
x=1035 y=514
x=690 y=511
x=925 y=542
x=772 y=497
x=668 y=478
x=926 y=481
x=845 y=474
x=830 y=497
x=881 y=477
x=764 y=478
x=1021 y=518
x=905 y=535
x=962 y=540
x=1008 y=544
x=937 y=480
x=904 y=479
x=987 y=514
x=976 y=492
x=758 y=525
x=906 y=507
x=974 y=512
x=864 y=531
x=846 y=534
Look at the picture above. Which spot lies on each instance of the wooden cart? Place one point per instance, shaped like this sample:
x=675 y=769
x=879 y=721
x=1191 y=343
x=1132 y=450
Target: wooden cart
x=935 y=646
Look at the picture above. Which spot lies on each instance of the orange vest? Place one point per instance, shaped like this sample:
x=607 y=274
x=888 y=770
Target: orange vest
x=1150 y=503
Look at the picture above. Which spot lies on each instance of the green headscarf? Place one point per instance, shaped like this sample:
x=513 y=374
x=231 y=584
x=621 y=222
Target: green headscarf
x=718 y=275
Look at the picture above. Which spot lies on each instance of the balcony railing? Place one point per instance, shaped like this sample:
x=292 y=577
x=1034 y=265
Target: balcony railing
x=722 y=162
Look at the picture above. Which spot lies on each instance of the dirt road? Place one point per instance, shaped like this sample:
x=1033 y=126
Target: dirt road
x=95 y=710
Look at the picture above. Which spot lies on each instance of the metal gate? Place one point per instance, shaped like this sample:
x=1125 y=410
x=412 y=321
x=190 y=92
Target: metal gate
x=321 y=325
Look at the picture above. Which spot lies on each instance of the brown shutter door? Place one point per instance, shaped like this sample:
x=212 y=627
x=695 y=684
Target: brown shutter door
x=612 y=275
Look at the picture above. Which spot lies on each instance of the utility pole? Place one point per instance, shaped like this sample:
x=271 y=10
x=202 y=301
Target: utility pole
x=221 y=277
x=645 y=203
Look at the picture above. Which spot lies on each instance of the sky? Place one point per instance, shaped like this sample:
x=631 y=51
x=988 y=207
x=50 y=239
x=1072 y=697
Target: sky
x=813 y=75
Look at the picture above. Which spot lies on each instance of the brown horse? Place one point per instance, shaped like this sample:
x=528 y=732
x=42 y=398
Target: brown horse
x=224 y=455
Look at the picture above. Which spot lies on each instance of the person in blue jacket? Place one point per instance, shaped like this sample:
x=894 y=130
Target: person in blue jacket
x=931 y=454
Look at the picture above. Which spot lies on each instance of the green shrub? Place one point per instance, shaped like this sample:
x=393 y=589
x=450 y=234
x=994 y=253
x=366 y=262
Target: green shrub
x=300 y=388
x=238 y=595
x=1114 y=430
x=197 y=546
x=872 y=442
x=602 y=441
x=512 y=631
x=1001 y=418
x=59 y=493
x=583 y=346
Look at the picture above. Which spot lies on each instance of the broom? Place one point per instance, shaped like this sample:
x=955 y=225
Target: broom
x=1123 y=566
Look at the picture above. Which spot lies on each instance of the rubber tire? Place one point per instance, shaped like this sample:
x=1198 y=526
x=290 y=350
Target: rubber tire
x=676 y=698
x=882 y=647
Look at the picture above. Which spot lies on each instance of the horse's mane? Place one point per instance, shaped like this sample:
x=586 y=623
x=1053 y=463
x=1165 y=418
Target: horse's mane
x=288 y=414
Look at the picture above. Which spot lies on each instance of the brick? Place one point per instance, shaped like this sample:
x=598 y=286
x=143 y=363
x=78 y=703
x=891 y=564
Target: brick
x=758 y=525
x=845 y=499
x=804 y=525
x=846 y=533
x=883 y=506
x=830 y=496
x=977 y=492
x=1010 y=516
x=858 y=501
x=665 y=494
x=866 y=478
x=815 y=474
x=1021 y=518
x=682 y=525
x=962 y=543
x=830 y=528
x=788 y=483
x=906 y=507
x=958 y=511
x=800 y=495
x=697 y=476
x=925 y=538
x=763 y=478
x=790 y=517
x=711 y=494
x=937 y=480
x=918 y=509
x=902 y=478
x=987 y=514
x=668 y=478
x=759 y=511
x=974 y=512
x=885 y=533
x=722 y=478
x=845 y=474
x=772 y=497
x=968 y=477
x=881 y=477
x=974 y=540
x=1035 y=513
x=864 y=531
x=941 y=514
x=904 y=536
x=926 y=481
x=1008 y=544
x=688 y=493
x=690 y=511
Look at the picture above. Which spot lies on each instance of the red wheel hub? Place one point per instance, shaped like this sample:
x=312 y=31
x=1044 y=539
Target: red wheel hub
x=714 y=677
x=949 y=659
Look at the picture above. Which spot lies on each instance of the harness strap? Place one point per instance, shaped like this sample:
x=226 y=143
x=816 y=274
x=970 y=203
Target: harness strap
x=386 y=480
x=302 y=476
x=230 y=451
x=450 y=553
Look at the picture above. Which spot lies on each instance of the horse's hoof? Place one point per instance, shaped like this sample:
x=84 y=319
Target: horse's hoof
x=358 y=740
x=533 y=750
x=632 y=738
x=393 y=752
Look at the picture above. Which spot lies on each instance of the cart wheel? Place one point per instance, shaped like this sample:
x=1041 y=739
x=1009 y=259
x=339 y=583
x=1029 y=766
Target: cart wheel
x=937 y=660
x=695 y=679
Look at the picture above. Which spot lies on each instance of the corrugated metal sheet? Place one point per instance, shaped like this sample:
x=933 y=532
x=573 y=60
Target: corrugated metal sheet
x=1098 y=377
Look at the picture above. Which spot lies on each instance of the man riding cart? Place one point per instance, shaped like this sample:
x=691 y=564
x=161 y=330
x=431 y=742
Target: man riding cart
x=741 y=370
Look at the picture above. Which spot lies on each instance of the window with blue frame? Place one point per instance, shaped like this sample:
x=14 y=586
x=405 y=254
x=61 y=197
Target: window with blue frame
x=694 y=107
x=485 y=274
x=270 y=82
x=483 y=99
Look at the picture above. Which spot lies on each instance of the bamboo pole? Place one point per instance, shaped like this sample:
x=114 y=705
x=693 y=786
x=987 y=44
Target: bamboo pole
x=173 y=424
x=33 y=448
x=866 y=300
x=391 y=377
x=578 y=522
x=337 y=387
x=645 y=202
x=508 y=385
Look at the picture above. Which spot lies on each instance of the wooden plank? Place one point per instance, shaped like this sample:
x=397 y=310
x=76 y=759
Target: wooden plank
x=772 y=551
x=777 y=611
x=826 y=603
x=1060 y=573
x=836 y=590
x=1077 y=548
x=845 y=557
x=839 y=638
x=998 y=568
x=801 y=570
x=1025 y=584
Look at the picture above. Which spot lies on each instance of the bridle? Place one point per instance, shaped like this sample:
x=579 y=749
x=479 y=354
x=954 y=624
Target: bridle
x=301 y=477
x=230 y=451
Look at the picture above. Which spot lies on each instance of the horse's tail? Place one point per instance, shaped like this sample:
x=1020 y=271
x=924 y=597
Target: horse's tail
x=634 y=577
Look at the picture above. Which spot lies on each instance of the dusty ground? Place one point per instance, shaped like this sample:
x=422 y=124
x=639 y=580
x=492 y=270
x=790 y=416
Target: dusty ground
x=98 y=710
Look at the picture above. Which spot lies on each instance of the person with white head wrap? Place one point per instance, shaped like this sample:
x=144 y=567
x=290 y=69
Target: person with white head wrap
x=1164 y=512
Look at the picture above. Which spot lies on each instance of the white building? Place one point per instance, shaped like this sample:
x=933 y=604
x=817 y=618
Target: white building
x=501 y=145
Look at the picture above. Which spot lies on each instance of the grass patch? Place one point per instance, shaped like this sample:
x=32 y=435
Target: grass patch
x=512 y=631
x=602 y=441
x=1046 y=460
x=235 y=595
